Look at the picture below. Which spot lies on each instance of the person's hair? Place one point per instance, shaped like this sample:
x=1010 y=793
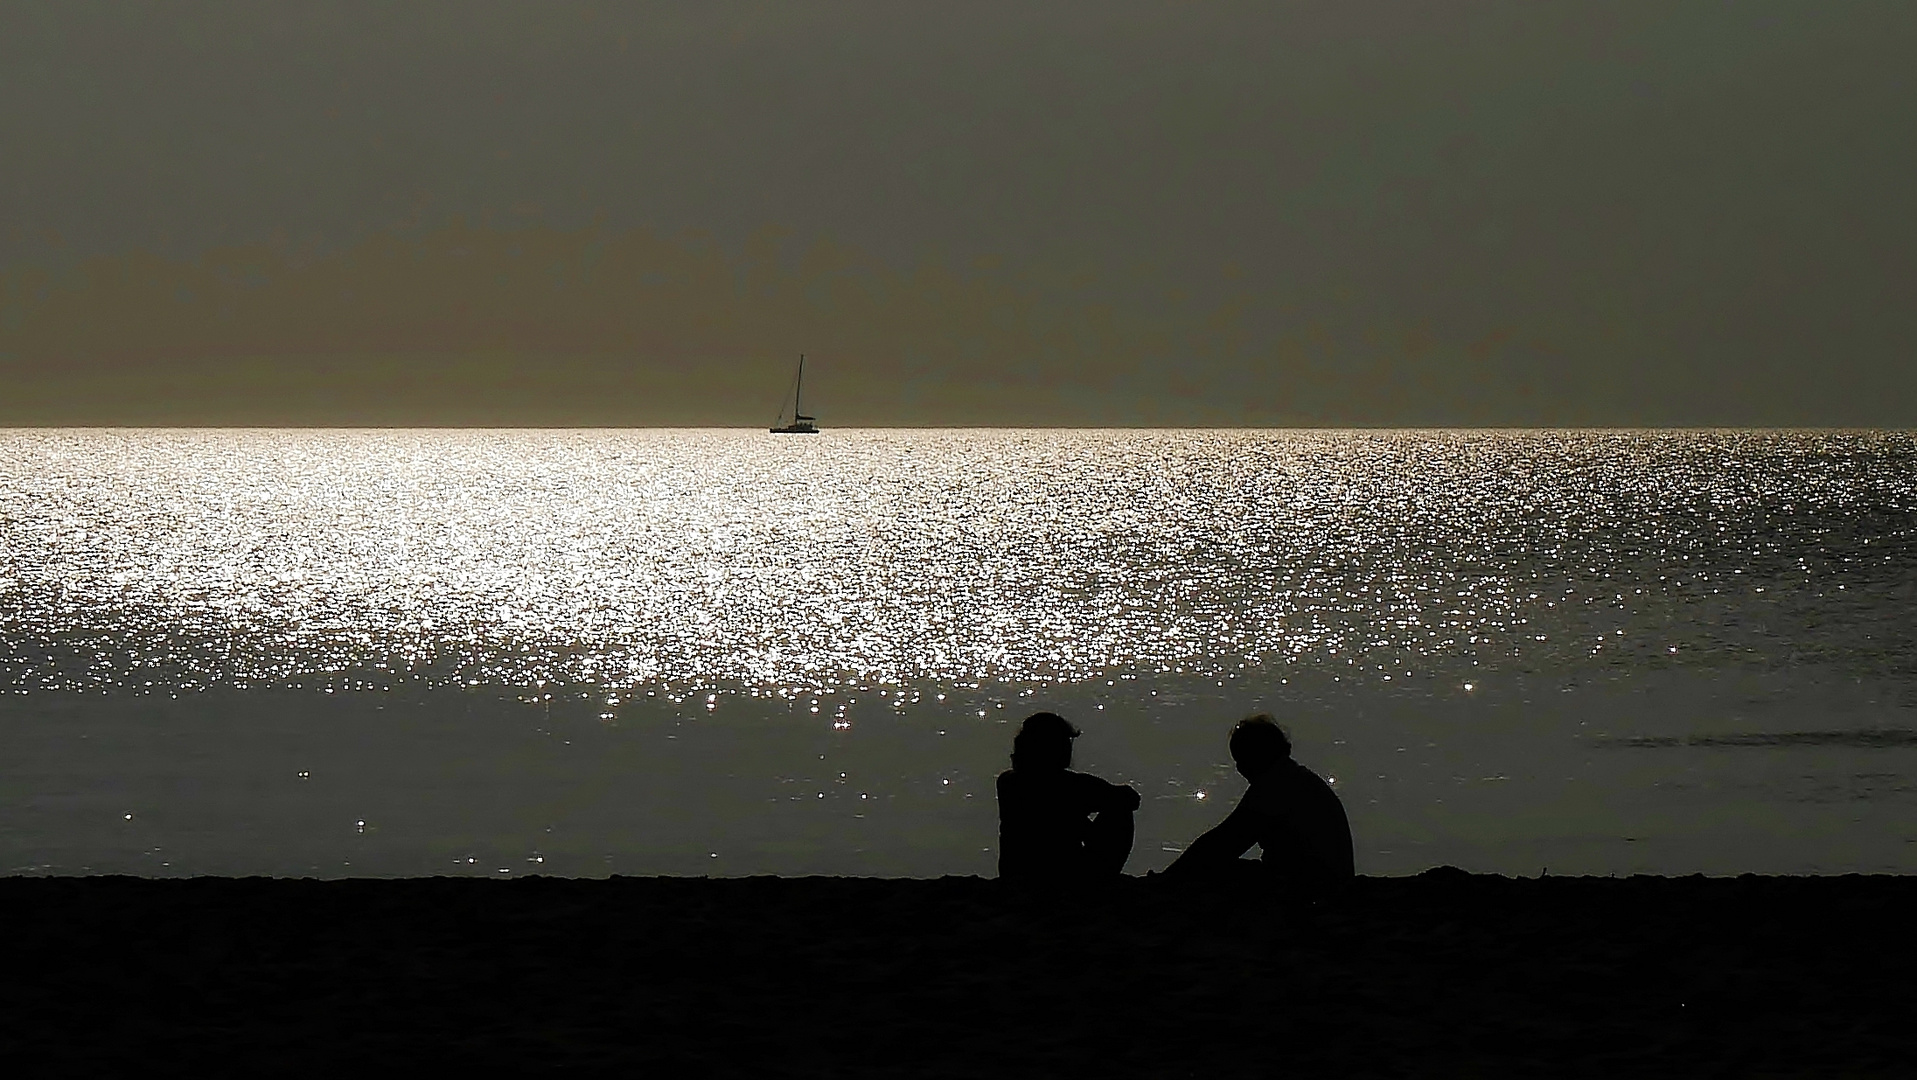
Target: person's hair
x=1044 y=741
x=1259 y=741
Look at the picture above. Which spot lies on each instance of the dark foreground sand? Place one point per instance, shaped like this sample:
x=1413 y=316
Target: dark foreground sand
x=1436 y=975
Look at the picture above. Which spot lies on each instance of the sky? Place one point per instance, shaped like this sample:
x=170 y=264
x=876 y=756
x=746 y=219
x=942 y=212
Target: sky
x=1345 y=213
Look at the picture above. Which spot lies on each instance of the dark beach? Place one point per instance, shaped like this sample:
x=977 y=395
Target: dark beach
x=1444 y=973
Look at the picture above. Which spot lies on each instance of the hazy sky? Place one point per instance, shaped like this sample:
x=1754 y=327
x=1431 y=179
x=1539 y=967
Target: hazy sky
x=1110 y=212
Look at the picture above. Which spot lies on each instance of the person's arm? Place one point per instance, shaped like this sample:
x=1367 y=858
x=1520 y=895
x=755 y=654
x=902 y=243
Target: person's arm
x=1225 y=842
x=1097 y=795
x=1121 y=798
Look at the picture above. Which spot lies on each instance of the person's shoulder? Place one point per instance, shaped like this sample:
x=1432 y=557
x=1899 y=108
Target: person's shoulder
x=1309 y=784
x=1295 y=773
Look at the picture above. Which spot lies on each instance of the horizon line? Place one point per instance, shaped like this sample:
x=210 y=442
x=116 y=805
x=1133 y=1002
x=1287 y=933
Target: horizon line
x=1828 y=428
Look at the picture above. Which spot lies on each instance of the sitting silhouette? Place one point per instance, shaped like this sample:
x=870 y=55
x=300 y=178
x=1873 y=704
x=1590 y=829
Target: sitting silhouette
x=1055 y=824
x=1288 y=811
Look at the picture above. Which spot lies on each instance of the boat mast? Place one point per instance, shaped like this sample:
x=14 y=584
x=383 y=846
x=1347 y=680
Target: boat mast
x=798 y=388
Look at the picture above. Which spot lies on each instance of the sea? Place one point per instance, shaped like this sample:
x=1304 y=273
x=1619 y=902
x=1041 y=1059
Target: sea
x=498 y=653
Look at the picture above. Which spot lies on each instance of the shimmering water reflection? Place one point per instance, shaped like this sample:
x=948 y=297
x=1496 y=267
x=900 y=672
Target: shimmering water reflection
x=1521 y=616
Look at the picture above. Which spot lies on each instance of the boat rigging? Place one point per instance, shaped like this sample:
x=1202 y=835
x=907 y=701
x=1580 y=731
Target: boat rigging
x=801 y=424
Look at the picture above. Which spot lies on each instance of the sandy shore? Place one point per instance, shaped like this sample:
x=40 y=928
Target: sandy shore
x=1439 y=974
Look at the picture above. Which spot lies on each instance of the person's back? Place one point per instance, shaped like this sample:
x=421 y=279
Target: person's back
x=1289 y=812
x=1299 y=824
x=1055 y=824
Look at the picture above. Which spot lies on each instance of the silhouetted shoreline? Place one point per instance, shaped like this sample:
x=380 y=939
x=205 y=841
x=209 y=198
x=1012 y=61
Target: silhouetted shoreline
x=1441 y=973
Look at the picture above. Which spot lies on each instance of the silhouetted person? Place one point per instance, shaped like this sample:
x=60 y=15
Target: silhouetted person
x=1055 y=824
x=1288 y=811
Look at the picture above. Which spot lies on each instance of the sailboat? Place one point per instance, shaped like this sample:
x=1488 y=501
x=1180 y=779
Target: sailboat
x=801 y=423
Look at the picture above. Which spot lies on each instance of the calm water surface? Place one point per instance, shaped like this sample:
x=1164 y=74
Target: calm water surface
x=588 y=652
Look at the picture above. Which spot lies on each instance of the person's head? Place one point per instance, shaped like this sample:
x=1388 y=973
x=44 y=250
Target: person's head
x=1258 y=744
x=1043 y=742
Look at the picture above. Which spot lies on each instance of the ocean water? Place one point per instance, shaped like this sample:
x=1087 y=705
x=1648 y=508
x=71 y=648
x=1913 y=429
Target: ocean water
x=341 y=653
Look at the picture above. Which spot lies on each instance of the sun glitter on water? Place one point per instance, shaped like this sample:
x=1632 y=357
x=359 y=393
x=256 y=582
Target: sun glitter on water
x=687 y=561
